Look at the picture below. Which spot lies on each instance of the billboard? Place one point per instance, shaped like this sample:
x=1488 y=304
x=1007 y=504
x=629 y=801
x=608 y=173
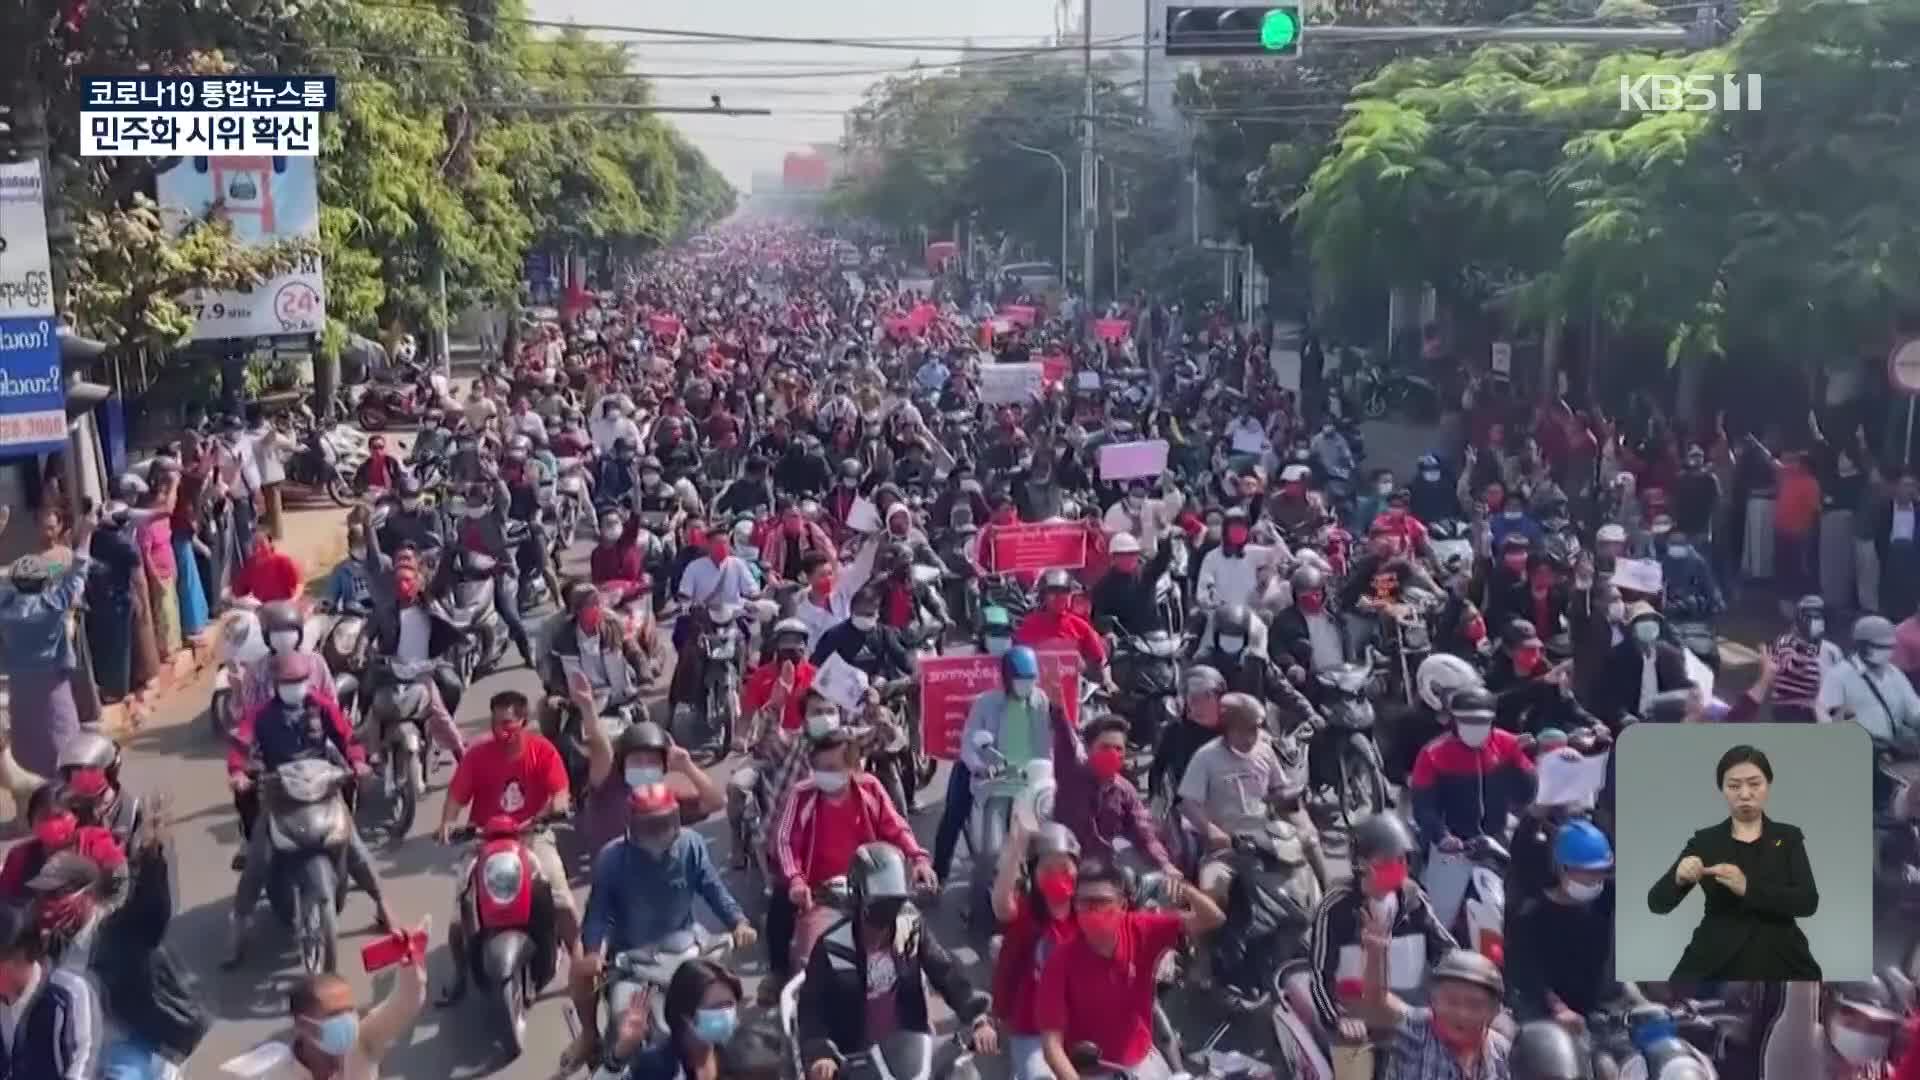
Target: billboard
x=267 y=199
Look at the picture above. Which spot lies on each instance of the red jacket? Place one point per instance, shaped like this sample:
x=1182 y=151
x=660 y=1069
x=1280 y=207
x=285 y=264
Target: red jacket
x=268 y=576
x=792 y=845
x=25 y=859
x=758 y=691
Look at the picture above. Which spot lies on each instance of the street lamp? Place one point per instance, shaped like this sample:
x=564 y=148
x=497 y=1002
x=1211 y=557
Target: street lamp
x=1055 y=158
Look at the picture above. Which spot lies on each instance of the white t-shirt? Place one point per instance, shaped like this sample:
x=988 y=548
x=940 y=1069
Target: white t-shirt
x=479 y=411
x=1225 y=580
x=1328 y=650
x=819 y=619
x=416 y=635
x=705 y=582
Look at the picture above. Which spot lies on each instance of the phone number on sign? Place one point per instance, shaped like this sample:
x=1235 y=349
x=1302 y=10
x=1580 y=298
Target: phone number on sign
x=33 y=427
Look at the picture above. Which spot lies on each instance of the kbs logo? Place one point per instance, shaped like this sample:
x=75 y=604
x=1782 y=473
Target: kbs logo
x=1690 y=93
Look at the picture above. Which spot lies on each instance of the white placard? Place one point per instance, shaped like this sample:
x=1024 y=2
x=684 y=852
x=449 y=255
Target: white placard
x=1130 y=460
x=1501 y=359
x=863 y=516
x=26 y=269
x=1011 y=384
x=1406 y=963
x=1638 y=575
x=1570 y=778
x=841 y=683
x=266 y=200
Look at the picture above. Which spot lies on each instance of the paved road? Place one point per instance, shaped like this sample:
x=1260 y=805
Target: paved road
x=176 y=754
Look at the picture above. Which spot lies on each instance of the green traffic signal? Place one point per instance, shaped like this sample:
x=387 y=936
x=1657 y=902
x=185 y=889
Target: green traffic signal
x=1278 y=30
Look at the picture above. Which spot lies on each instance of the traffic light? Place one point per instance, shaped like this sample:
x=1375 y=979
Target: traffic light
x=1242 y=30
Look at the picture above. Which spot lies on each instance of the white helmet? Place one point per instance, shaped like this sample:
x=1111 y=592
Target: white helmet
x=1123 y=544
x=1441 y=676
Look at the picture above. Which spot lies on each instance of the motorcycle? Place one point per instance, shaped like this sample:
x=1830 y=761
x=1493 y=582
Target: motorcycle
x=345 y=646
x=308 y=825
x=240 y=645
x=467 y=611
x=1146 y=669
x=996 y=793
x=649 y=969
x=1483 y=912
x=1406 y=641
x=326 y=463
x=383 y=403
x=1380 y=390
x=402 y=746
x=1343 y=756
x=905 y=1055
x=719 y=646
x=1269 y=914
x=530 y=585
x=508 y=925
x=1897 y=841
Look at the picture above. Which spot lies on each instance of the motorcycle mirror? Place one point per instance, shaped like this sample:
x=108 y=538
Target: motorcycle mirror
x=982 y=739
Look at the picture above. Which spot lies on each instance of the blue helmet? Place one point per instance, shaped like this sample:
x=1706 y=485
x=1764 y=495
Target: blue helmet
x=1428 y=461
x=1580 y=845
x=1019 y=662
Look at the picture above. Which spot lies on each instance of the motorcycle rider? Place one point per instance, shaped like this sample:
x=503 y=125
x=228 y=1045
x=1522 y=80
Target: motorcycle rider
x=518 y=773
x=1234 y=652
x=1033 y=900
x=1227 y=786
x=53 y=826
x=1381 y=847
x=1128 y=592
x=622 y=552
x=862 y=641
x=614 y=423
x=1227 y=575
x=1199 y=724
x=616 y=479
x=1292 y=507
x=1438 y=678
x=89 y=769
x=1628 y=687
x=643 y=890
x=1095 y=798
x=297 y=724
x=797 y=539
x=1018 y=716
x=527 y=484
x=1464 y=989
x=1087 y=994
x=348 y=588
x=1871 y=692
x=1687 y=581
x=1801 y=658
x=864 y=976
x=381 y=472
x=1533 y=693
x=1464 y=783
x=1559 y=944
x=780 y=685
x=413 y=523
x=1055 y=623
x=822 y=822
x=1306 y=638
x=1848 y=1039
x=1432 y=496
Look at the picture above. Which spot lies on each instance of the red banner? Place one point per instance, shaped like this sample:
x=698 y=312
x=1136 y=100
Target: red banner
x=1114 y=330
x=949 y=685
x=1056 y=367
x=921 y=317
x=1040 y=547
x=663 y=326
x=1019 y=314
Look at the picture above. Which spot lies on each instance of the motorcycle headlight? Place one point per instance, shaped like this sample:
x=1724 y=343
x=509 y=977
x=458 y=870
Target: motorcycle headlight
x=501 y=877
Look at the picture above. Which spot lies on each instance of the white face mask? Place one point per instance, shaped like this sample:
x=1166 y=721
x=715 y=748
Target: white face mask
x=1473 y=735
x=1232 y=644
x=357 y=552
x=292 y=693
x=1431 y=476
x=1876 y=655
x=1816 y=629
x=639 y=776
x=830 y=781
x=1584 y=891
x=409 y=505
x=1857 y=1047
x=1646 y=633
x=1617 y=611
x=1384 y=488
x=1677 y=551
x=610 y=534
x=282 y=641
x=1020 y=689
x=865 y=623
x=820 y=724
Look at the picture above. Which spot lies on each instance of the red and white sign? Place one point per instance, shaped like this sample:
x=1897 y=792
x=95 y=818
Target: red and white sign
x=1019 y=314
x=1055 y=367
x=949 y=685
x=1046 y=546
x=663 y=326
x=1113 y=330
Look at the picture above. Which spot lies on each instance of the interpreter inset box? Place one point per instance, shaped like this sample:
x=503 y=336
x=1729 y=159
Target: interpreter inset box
x=1744 y=853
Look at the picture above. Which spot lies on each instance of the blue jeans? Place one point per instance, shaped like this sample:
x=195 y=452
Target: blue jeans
x=130 y=1058
x=953 y=821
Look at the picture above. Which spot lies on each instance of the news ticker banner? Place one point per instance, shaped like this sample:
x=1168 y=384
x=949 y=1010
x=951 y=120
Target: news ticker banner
x=204 y=115
x=33 y=392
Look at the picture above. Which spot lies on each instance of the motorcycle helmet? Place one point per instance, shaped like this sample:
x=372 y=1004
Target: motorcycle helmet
x=642 y=737
x=1307 y=579
x=788 y=632
x=1052 y=838
x=1442 y=675
x=291 y=667
x=409 y=488
x=1381 y=836
x=1232 y=621
x=1869 y=997
x=519 y=447
x=1019 y=662
x=879 y=881
x=89 y=750
x=1205 y=679
x=280 y=618
x=1872 y=631
x=1543 y=1050
x=1123 y=544
x=1056 y=581
x=1472 y=701
x=1580 y=845
x=1470 y=967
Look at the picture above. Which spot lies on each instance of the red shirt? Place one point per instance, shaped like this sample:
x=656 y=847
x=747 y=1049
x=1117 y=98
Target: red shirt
x=1108 y=1000
x=1024 y=952
x=493 y=781
x=26 y=859
x=759 y=690
x=268 y=577
x=838 y=828
x=1045 y=628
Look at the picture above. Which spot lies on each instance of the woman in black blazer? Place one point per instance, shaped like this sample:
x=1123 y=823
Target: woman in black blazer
x=1757 y=881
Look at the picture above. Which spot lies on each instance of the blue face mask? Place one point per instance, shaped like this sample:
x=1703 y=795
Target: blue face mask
x=1645 y=1035
x=642 y=775
x=336 y=1035
x=715 y=1026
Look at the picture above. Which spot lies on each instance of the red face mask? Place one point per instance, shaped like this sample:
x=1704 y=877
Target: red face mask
x=1102 y=928
x=1057 y=602
x=1313 y=603
x=823 y=587
x=56 y=832
x=1107 y=761
x=1126 y=564
x=1056 y=887
x=1542 y=583
x=1476 y=630
x=793 y=527
x=719 y=550
x=1516 y=563
x=1387 y=876
x=1236 y=536
x=1528 y=660
x=1494 y=501
x=1293 y=491
x=1460 y=1041
x=590 y=619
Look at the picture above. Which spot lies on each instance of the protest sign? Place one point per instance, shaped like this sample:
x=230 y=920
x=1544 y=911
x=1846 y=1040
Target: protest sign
x=841 y=683
x=863 y=516
x=1040 y=547
x=949 y=685
x=1019 y=314
x=663 y=326
x=1011 y=384
x=1637 y=575
x=1113 y=330
x=1127 y=460
x=1054 y=368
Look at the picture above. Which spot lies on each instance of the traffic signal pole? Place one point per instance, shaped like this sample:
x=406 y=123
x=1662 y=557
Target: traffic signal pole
x=1089 y=190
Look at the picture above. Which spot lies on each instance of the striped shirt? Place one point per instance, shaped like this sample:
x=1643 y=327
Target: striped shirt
x=1418 y=1053
x=1797 y=670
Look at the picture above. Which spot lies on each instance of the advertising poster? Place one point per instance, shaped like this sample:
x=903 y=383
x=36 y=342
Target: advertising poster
x=26 y=271
x=267 y=199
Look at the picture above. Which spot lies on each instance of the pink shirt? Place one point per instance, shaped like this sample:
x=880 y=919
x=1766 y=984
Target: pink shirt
x=156 y=547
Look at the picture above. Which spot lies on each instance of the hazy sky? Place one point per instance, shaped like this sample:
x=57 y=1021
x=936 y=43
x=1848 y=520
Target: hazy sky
x=806 y=109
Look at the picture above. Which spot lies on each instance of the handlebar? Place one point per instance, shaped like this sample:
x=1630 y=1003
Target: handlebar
x=532 y=825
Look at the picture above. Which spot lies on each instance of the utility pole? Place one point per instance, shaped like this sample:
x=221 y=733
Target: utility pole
x=1089 y=181
x=1146 y=59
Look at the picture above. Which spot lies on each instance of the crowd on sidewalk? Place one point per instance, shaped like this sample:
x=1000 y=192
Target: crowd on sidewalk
x=134 y=583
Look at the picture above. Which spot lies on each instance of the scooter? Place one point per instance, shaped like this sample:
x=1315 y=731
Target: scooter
x=309 y=827
x=651 y=968
x=1483 y=912
x=719 y=646
x=996 y=792
x=345 y=646
x=240 y=645
x=507 y=923
x=397 y=719
x=1343 y=755
x=326 y=463
x=467 y=611
x=1269 y=914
